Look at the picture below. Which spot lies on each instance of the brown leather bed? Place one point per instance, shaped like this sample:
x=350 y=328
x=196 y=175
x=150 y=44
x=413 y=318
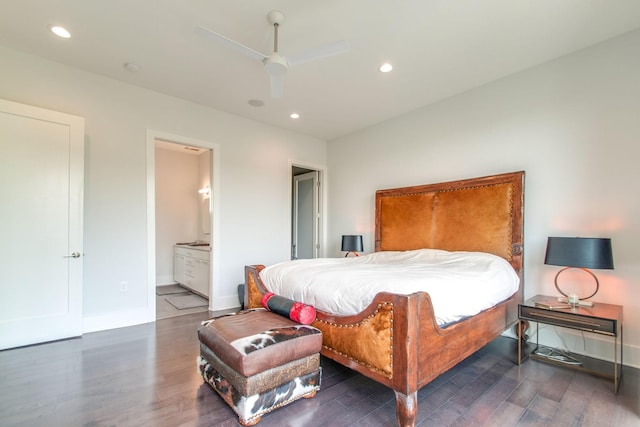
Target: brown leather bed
x=396 y=340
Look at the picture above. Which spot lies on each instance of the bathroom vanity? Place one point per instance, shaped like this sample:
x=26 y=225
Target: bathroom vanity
x=191 y=267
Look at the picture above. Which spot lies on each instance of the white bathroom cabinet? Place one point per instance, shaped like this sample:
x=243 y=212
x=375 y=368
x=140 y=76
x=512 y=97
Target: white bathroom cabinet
x=191 y=268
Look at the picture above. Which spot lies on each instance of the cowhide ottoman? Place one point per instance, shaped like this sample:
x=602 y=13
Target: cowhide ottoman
x=258 y=361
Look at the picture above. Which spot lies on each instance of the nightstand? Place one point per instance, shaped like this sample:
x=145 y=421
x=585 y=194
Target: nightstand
x=603 y=319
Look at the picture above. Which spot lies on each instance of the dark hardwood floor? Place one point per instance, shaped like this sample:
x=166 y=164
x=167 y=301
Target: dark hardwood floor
x=146 y=376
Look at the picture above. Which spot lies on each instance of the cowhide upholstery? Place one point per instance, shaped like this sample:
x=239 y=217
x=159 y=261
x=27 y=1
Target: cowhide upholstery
x=257 y=361
x=250 y=408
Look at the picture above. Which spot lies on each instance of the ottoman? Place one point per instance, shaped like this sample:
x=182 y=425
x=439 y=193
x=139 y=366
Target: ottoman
x=258 y=361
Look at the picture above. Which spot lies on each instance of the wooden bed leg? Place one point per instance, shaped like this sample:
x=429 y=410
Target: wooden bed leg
x=406 y=408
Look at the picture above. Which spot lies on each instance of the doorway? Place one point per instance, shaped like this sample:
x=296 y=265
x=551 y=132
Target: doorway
x=182 y=189
x=306 y=217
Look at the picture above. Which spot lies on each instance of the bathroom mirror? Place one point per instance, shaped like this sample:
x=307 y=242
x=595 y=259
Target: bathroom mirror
x=205 y=214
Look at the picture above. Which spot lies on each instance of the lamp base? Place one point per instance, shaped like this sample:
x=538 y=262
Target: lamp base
x=573 y=299
x=580 y=303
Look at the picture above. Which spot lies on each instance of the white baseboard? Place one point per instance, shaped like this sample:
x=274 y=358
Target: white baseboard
x=224 y=303
x=122 y=319
x=164 y=280
x=119 y=319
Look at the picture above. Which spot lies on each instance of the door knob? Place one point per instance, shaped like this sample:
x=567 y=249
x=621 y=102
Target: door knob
x=73 y=255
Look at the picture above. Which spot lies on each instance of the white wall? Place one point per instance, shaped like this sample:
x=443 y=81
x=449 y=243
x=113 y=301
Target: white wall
x=573 y=125
x=177 y=206
x=254 y=179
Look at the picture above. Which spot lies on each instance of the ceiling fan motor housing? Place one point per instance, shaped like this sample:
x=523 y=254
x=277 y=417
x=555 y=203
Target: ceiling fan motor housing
x=276 y=64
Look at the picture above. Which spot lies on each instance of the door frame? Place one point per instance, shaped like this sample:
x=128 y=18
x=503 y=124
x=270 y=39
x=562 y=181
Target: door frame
x=314 y=175
x=322 y=223
x=152 y=136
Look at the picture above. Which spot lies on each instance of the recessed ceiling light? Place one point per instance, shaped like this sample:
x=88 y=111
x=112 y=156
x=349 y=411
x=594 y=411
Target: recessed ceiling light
x=256 y=103
x=294 y=115
x=386 y=67
x=60 y=31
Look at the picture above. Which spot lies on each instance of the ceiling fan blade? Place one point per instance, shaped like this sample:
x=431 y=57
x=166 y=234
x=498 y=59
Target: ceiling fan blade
x=277 y=84
x=205 y=32
x=323 y=51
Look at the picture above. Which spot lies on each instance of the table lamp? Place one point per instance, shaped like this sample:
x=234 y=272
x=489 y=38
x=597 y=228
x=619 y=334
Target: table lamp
x=352 y=243
x=579 y=252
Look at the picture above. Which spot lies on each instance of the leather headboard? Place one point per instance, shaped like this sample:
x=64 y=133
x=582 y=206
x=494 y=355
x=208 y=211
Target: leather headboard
x=479 y=214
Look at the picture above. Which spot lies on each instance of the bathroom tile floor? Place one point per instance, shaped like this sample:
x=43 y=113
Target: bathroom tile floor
x=165 y=310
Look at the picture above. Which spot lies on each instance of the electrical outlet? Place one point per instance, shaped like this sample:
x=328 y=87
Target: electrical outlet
x=124 y=286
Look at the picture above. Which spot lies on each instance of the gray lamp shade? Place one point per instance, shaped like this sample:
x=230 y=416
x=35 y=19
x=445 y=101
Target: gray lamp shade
x=581 y=252
x=352 y=243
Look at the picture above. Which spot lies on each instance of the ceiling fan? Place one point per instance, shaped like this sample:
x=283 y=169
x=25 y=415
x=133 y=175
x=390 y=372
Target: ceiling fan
x=275 y=64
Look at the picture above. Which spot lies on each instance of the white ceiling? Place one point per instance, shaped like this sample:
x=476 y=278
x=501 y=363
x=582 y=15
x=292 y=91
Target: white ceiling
x=438 y=47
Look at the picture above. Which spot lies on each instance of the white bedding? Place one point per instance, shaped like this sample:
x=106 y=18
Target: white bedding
x=460 y=283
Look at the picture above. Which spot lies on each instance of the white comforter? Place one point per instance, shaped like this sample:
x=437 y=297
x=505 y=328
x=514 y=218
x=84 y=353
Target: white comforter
x=460 y=283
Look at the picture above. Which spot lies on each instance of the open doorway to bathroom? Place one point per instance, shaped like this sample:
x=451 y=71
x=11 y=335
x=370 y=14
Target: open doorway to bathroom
x=183 y=228
x=306 y=213
x=181 y=206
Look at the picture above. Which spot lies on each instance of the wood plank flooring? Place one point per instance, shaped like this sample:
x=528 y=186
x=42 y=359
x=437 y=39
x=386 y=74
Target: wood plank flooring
x=146 y=376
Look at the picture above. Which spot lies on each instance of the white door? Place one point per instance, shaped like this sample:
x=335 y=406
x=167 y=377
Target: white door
x=41 y=199
x=306 y=216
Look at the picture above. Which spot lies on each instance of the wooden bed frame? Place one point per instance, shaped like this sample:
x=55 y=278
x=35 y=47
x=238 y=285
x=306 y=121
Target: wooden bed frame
x=396 y=340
